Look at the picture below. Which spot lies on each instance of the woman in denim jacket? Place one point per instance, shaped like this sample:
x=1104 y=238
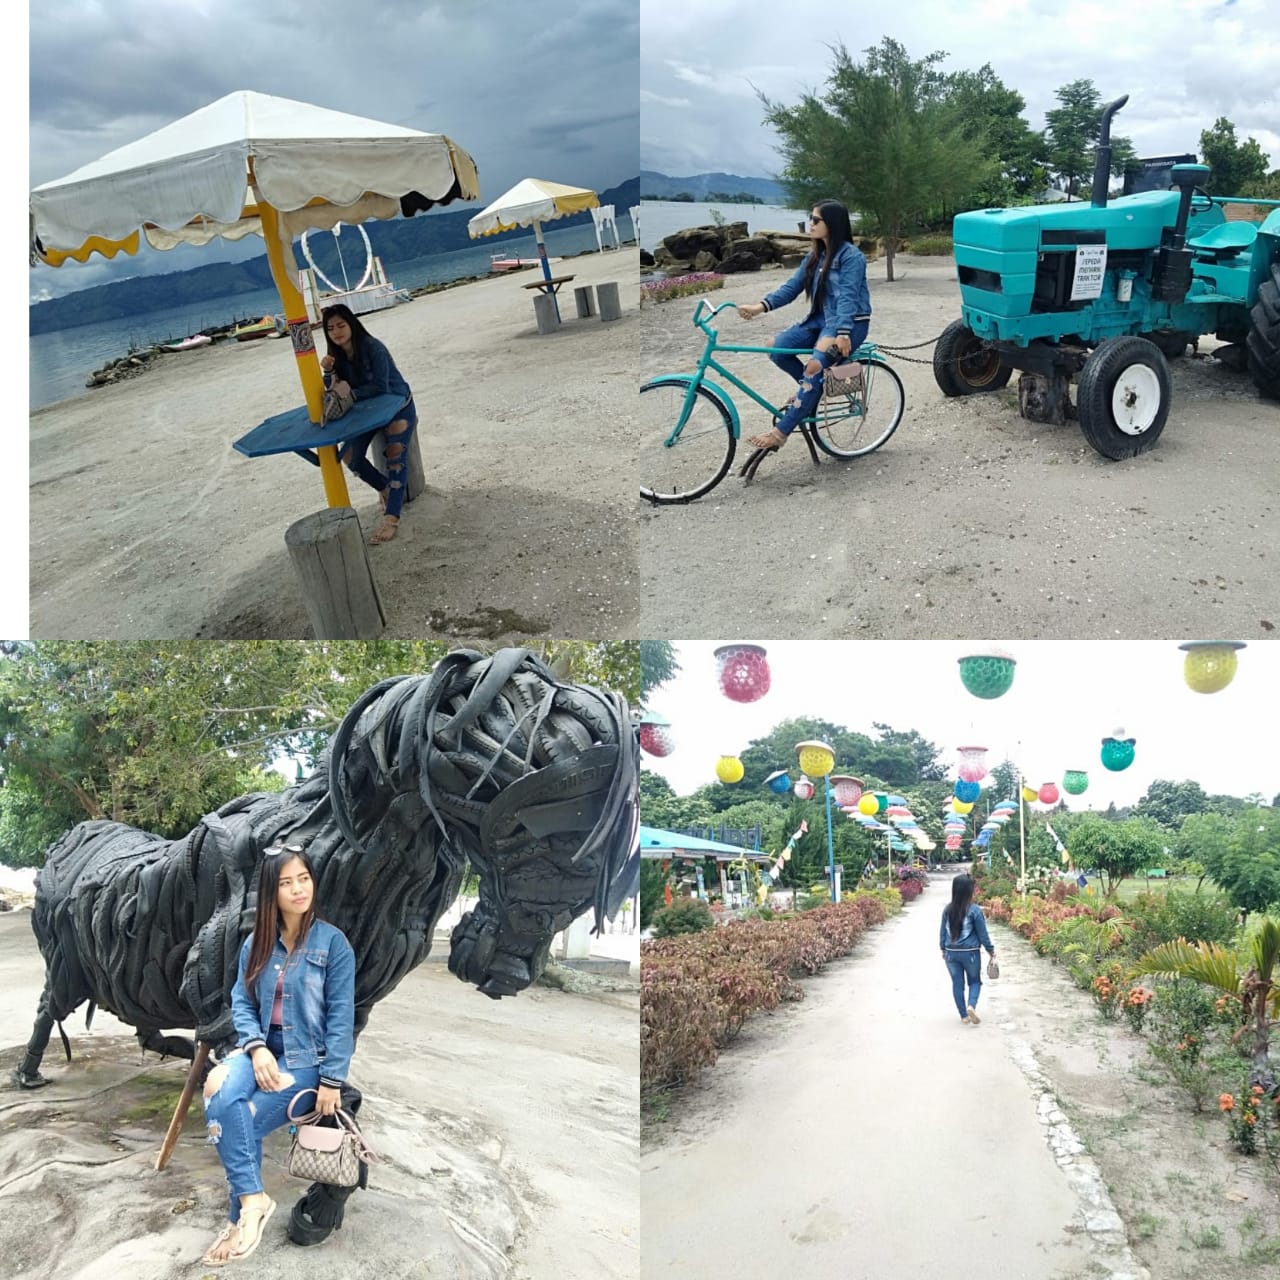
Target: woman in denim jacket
x=962 y=937
x=833 y=278
x=294 y=1010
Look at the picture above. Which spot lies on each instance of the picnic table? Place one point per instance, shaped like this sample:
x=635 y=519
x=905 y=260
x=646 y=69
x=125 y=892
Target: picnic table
x=551 y=286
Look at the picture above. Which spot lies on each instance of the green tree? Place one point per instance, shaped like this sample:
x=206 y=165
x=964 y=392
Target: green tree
x=926 y=766
x=1241 y=853
x=1072 y=135
x=1239 y=168
x=881 y=140
x=658 y=664
x=1116 y=849
x=1168 y=803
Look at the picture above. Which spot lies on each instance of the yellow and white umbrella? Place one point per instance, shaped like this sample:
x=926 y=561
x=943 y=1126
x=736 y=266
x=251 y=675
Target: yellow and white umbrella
x=251 y=164
x=530 y=203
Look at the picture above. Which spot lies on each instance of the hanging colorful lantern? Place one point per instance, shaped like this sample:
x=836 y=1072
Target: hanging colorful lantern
x=655 y=735
x=1117 y=751
x=882 y=802
x=846 y=788
x=1210 y=664
x=962 y=806
x=779 y=782
x=1075 y=782
x=1048 y=794
x=816 y=758
x=729 y=769
x=987 y=674
x=803 y=789
x=743 y=670
x=869 y=806
x=972 y=764
x=967 y=792
x=1030 y=794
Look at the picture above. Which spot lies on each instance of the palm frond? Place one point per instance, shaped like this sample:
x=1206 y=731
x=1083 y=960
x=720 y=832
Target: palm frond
x=1205 y=962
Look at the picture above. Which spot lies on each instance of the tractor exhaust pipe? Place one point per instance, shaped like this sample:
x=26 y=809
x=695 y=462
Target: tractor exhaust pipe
x=1102 y=160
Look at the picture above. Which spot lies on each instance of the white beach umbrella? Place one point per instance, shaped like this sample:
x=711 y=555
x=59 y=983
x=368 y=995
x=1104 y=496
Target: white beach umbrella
x=530 y=203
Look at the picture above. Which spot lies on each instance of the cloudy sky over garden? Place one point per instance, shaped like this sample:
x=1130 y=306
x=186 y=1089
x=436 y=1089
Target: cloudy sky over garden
x=1183 y=62
x=1066 y=696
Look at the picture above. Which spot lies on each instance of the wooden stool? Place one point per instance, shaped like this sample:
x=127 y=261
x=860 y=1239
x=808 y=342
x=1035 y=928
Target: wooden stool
x=610 y=306
x=586 y=303
x=332 y=563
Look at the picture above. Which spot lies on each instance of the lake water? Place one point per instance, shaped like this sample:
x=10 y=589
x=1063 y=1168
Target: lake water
x=61 y=361
x=660 y=218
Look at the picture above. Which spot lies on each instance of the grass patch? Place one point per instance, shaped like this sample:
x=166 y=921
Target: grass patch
x=1145 y=1225
x=161 y=1106
x=1209 y=1237
x=930 y=246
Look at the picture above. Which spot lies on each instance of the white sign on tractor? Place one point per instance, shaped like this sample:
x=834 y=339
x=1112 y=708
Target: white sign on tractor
x=1091 y=265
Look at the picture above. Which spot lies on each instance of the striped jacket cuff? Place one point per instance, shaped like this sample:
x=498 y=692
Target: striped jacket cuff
x=330 y=1083
x=256 y=1043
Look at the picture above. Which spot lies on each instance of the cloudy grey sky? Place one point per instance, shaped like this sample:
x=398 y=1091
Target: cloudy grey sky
x=530 y=90
x=1066 y=696
x=1183 y=63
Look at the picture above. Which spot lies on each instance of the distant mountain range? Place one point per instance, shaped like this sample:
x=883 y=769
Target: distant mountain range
x=658 y=186
x=399 y=240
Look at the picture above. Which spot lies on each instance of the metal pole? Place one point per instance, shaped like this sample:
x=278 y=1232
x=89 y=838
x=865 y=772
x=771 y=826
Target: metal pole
x=1022 y=834
x=831 y=844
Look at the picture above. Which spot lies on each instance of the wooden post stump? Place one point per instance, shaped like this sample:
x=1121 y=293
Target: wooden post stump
x=332 y=563
x=586 y=302
x=610 y=306
x=417 y=474
x=544 y=309
x=184 y=1103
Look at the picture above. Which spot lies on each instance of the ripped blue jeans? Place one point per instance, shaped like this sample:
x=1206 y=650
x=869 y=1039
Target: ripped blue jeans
x=239 y=1114
x=806 y=334
x=352 y=452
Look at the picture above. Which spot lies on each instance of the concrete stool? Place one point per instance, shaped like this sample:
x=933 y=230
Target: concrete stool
x=586 y=303
x=610 y=306
x=417 y=477
x=544 y=309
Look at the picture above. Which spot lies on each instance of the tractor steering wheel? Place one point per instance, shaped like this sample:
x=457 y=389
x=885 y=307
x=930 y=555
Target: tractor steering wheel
x=1200 y=208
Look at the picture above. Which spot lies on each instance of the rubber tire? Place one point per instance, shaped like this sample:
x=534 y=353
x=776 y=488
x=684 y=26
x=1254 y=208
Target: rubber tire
x=1263 y=342
x=956 y=339
x=1097 y=381
x=667 y=499
x=882 y=371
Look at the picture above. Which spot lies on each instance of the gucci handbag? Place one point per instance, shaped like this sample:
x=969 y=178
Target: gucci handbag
x=329 y=1154
x=993 y=969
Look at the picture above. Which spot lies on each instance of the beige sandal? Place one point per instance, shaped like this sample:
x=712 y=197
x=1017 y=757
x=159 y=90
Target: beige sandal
x=772 y=439
x=229 y=1231
x=251 y=1235
x=385 y=530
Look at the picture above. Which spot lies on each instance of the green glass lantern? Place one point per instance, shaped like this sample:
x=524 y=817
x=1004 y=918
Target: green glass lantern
x=988 y=674
x=1117 y=751
x=1075 y=782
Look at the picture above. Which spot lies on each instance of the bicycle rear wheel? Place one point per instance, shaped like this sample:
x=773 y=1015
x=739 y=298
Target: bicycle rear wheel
x=854 y=425
x=700 y=456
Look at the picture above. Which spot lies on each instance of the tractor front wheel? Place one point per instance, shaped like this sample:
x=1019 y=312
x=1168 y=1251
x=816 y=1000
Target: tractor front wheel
x=1123 y=399
x=964 y=365
x=1263 y=342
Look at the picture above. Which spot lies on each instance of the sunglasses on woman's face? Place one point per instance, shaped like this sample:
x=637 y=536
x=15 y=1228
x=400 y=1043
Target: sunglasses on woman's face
x=813 y=217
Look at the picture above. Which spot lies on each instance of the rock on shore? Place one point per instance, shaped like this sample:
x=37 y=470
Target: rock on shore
x=731 y=248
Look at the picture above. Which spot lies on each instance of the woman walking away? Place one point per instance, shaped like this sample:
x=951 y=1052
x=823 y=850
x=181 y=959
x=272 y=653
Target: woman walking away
x=359 y=365
x=963 y=935
x=833 y=277
x=294 y=1010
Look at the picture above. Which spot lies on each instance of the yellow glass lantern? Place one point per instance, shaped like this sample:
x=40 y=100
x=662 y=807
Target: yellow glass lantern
x=868 y=806
x=962 y=806
x=816 y=758
x=1030 y=795
x=729 y=769
x=1210 y=664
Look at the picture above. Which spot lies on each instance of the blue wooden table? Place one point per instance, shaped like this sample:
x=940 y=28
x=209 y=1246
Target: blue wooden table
x=294 y=432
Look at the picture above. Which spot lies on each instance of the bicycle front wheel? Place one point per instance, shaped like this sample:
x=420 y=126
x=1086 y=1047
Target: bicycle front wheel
x=701 y=453
x=848 y=426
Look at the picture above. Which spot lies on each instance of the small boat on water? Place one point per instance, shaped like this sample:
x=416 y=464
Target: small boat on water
x=188 y=344
x=265 y=328
x=501 y=262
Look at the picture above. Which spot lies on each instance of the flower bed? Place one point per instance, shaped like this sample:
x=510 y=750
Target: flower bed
x=653 y=291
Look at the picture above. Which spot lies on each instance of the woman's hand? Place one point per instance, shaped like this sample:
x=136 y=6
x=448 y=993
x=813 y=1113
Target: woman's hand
x=326 y=363
x=266 y=1070
x=328 y=1100
x=749 y=310
x=844 y=344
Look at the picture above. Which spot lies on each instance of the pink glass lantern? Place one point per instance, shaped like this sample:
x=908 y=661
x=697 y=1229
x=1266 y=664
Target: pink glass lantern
x=803 y=789
x=973 y=766
x=1048 y=794
x=846 y=789
x=743 y=671
x=655 y=735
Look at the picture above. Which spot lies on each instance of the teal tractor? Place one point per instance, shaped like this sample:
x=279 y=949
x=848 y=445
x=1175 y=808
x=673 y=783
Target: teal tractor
x=1106 y=293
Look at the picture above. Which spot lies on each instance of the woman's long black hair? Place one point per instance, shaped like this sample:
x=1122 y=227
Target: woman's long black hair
x=358 y=332
x=266 y=920
x=839 y=233
x=961 y=898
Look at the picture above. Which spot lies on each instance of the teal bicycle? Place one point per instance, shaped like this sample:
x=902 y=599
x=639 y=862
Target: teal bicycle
x=690 y=425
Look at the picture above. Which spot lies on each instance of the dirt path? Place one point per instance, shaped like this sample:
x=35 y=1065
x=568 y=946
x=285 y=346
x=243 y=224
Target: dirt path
x=868 y=1133
x=969 y=510
x=510 y=1127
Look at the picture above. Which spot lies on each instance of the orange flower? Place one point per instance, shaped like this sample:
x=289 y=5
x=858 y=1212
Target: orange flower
x=1250 y=1118
x=1257 y=1090
x=1226 y=1102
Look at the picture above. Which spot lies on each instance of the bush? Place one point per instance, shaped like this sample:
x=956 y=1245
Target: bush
x=927 y=246
x=653 y=291
x=690 y=916
x=1197 y=917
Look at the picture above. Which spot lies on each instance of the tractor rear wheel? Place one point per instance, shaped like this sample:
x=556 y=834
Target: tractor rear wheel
x=1264 y=336
x=1123 y=399
x=963 y=365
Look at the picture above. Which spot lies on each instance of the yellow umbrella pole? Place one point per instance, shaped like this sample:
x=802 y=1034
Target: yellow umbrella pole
x=304 y=348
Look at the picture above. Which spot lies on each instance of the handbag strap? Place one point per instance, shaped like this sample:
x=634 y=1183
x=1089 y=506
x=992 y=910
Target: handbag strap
x=345 y=1120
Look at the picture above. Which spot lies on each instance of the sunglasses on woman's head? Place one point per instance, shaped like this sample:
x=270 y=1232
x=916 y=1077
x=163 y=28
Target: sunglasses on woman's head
x=272 y=850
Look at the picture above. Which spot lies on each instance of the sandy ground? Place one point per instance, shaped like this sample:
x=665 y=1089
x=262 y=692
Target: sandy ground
x=898 y=1136
x=510 y=1127
x=145 y=522
x=969 y=517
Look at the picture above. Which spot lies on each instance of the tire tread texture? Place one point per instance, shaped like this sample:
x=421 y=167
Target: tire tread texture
x=947 y=375
x=1263 y=342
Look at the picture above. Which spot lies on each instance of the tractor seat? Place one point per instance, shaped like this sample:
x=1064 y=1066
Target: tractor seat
x=1225 y=240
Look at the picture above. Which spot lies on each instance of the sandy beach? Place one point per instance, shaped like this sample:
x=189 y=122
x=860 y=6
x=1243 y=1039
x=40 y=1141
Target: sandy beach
x=146 y=523
x=970 y=520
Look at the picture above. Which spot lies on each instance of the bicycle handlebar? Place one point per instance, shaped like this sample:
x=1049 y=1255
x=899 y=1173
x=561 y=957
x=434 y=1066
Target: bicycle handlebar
x=698 y=316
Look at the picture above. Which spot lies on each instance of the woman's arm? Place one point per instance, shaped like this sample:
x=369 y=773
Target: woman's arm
x=376 y=374
x=339 y=1012
x=785 y=293
x=244 y=1010
x=853 y=279
x=980 y=924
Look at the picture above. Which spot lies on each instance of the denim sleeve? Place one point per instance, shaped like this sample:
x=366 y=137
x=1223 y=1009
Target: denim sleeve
x=376 y=371
x=339 y=1012
x=942 y=932
x=851 y=285
x=788 y=292
x=244 y=1011
x=980 y=924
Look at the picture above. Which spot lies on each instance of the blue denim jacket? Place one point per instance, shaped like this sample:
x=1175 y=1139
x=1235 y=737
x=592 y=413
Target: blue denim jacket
x=375 y=373
x=844 y=298
x=973 y=933
x=319 y=1002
